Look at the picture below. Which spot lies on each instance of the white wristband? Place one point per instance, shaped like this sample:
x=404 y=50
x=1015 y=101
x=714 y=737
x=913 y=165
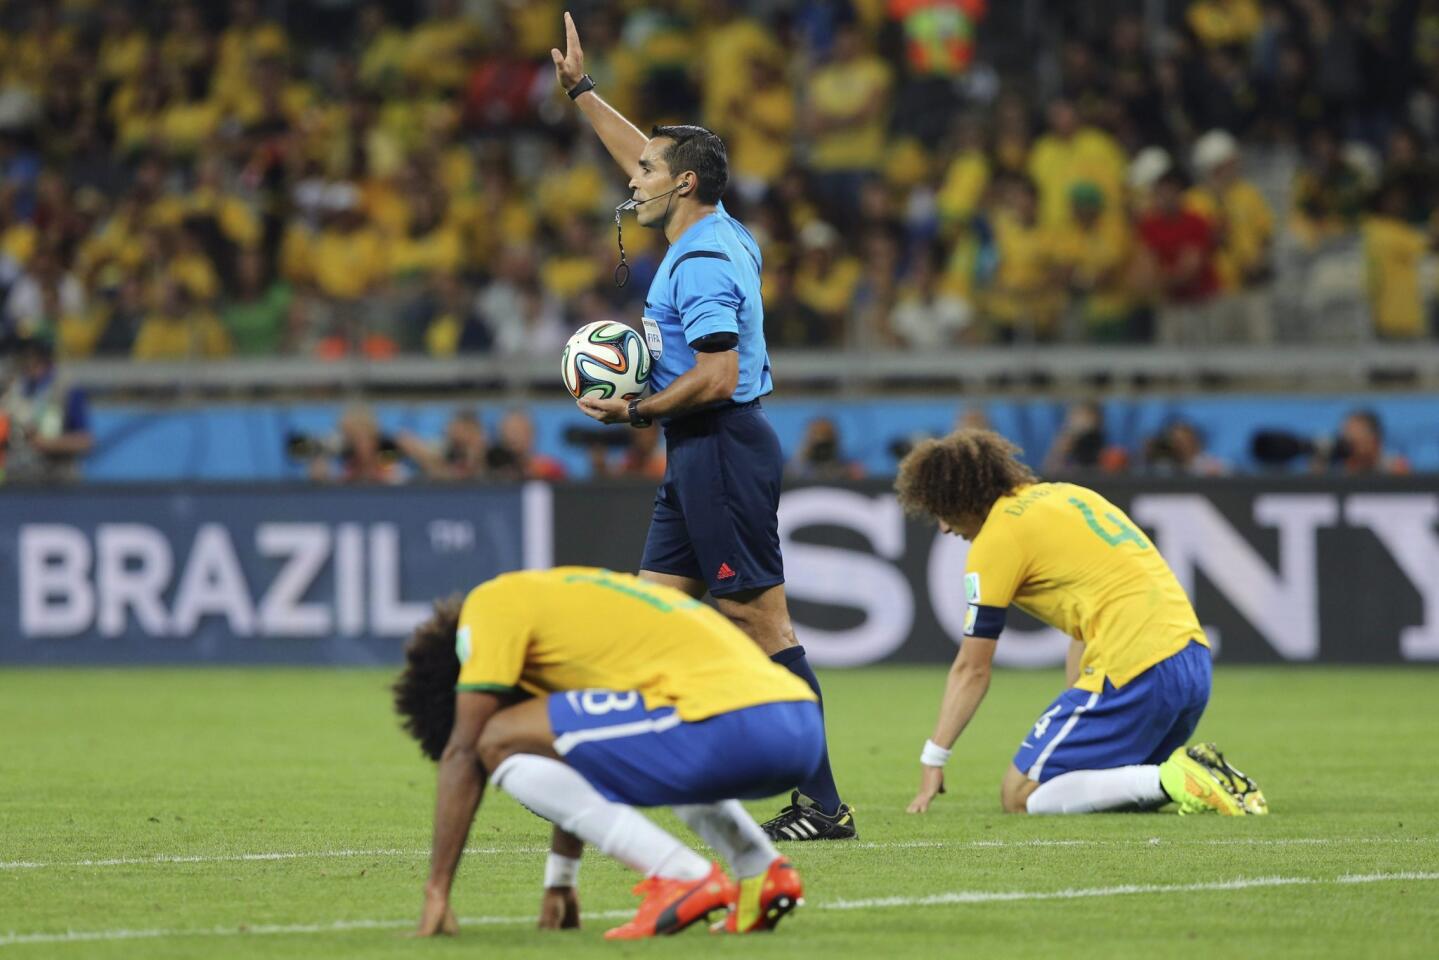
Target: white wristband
x=933 y=755
x=561 y=871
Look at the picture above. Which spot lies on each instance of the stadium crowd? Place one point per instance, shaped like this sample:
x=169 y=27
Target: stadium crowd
x=186 y=180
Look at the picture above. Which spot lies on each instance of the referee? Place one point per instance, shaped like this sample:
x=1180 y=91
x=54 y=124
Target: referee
x=715 y=524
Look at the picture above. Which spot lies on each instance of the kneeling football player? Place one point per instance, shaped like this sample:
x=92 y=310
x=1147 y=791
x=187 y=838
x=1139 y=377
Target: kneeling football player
x=1138 y=670
x=584 y=694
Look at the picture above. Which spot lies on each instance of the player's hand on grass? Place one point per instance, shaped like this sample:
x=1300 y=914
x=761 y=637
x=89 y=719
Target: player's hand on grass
x=616 y=410
x=437 y=917
x=931 y=785
x=569 y=66
x=560 y=909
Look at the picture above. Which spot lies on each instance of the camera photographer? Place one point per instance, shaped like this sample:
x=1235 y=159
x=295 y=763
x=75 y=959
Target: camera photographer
x=463 y=453
x=820 y=455
x=514 y=458
x=1082 y=444
x=44 y=424
x=642 y=455
x=645 y=456
x=1178 y=450
x=1357 y=449
x=597 y=443
x=358 y=454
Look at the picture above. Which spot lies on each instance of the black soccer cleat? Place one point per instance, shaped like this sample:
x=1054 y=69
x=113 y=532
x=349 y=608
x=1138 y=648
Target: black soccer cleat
x=802 y=820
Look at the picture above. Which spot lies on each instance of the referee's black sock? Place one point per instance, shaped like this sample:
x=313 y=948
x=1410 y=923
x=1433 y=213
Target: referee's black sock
x=820 y=787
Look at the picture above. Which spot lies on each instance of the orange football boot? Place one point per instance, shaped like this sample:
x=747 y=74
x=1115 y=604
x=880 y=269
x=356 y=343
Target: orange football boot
x=671 y=905
x=764 y=900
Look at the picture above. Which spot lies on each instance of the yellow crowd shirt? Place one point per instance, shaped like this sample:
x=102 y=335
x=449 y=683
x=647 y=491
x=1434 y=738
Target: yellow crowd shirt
x=348 y=264
x=828 y=290
x=438 y=251
x=436 y=50
x=168 y=337
x=582 y=628
x=964 y=185
x=1056 y=165
x=725 y=54
x=839 y=91
x=761 y=133
x=1069 y=557
x=1222 y=23
x=1394 y=254
x=122 y=56
x=1097 y=256
x=1247 y=226
x=1023 y=289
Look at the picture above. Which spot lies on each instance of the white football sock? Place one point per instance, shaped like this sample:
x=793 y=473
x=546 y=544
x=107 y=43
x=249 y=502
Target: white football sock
x=557 y=792
x=731 y=831
x=1094 y=791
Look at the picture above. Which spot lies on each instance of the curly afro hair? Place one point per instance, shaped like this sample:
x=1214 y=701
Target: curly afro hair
x=960 y=475
x=425 y=690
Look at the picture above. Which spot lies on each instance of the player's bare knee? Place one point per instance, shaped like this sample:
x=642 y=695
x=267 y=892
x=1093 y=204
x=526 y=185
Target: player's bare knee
x=502 y=738
x=522 y=728
x=1013 y=792
x=496 y=745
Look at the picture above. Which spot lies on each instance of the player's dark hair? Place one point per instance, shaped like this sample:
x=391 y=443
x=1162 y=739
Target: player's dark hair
x=960 y=475
x=695 y=148
x=425 y=690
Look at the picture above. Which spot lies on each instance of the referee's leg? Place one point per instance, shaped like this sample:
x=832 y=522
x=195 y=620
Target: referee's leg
x=764 y=615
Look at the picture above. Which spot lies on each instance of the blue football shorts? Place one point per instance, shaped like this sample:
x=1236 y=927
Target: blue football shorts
x=652 y=758
x=716 y=513
x=1141 y=722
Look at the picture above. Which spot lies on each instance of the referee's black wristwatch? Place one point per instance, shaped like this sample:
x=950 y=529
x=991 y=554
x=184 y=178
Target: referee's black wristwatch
x=635 y=419
x=586 y=84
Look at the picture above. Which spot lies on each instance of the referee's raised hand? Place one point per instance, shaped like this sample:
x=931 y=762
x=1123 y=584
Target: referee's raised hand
x=569 y=66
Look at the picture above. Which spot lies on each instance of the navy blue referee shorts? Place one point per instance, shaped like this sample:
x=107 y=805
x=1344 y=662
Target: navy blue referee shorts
x=716 y=515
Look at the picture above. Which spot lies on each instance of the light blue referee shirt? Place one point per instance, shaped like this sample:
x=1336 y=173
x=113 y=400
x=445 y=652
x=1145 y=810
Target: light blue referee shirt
x=708 y=283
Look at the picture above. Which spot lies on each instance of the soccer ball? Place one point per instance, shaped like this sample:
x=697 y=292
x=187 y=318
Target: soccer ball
x=605 y=359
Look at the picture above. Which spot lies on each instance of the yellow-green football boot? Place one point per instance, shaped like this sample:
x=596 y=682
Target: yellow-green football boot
x=1247 y=790
x=1197 y=779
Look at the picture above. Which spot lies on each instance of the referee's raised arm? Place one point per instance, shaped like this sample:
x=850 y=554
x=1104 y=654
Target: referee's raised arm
x=621 y=138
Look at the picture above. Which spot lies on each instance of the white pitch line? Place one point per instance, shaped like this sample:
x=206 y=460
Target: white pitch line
x=1242 y=883
x=249 y=857
x=337 y=926
x=957 y=897
x=1147 y=842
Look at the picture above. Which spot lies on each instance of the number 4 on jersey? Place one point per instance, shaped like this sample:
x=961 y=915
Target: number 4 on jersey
x=1112 y=537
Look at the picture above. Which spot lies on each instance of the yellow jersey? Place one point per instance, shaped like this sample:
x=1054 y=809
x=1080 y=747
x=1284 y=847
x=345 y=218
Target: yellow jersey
x=1097 y=257
x=1023 y=289
x=1247 y=228
x=1394 y=254
x=582 y=628
x=1056 y=165
x=839 y=92
x=1067 y=556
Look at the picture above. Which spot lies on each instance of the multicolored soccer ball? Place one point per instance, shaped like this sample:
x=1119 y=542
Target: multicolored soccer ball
x=605 y=359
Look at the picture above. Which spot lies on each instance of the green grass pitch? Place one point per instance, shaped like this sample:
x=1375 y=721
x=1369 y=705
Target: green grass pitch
x=281 y=813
